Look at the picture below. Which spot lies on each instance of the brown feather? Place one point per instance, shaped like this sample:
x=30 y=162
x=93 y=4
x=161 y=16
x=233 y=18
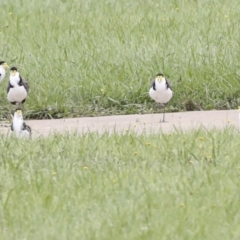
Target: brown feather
x=168 y=84
x=25 y=84
x=27 y=127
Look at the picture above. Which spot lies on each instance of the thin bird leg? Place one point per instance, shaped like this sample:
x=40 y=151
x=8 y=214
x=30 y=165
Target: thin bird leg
x=18 y=106
x=163 y=113
x=164 y=110
x=162 y=105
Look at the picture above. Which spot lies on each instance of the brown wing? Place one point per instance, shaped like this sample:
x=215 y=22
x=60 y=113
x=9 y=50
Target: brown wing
x=29 y=129
x=26 y=127
x=25 y=84
x=168 y=84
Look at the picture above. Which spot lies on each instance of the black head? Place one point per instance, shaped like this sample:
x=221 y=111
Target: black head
x=159 y=75
x=13 y=69
x=2 y=62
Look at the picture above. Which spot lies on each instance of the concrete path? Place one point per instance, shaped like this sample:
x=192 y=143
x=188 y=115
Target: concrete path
x=137 y=123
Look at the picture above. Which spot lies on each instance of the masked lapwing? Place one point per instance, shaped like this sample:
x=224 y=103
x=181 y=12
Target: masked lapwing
x=17 y=89
x=3 y=66
x=19 y=127
x=161 y=91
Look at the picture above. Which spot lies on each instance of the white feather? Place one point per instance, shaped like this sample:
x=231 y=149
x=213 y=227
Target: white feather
x=24 y=134
x=17 y=93
x=162 y=94
x=18 y=125
x=2 y=72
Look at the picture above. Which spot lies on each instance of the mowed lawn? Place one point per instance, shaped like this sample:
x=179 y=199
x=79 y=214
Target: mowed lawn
x=87 y=58
x=161 y=186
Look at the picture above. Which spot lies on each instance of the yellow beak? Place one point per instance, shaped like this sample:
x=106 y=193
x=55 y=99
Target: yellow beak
x=159 y=78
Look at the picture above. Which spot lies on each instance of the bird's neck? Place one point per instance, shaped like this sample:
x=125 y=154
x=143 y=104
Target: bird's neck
x=14 y=81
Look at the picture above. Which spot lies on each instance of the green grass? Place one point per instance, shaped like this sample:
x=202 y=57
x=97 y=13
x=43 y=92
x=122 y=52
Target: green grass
x=86 y=58
x=159 y=186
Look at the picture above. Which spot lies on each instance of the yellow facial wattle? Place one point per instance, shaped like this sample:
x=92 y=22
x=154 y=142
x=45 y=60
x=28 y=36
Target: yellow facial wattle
x=5 y=65
x=19 y=112
x=159 y=78
x=13 y=72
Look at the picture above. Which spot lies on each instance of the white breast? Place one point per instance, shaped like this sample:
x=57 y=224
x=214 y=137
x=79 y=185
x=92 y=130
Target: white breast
x=17 y=126
x=17 y=94
x=2 y=73
x=14 y=79
x=162 y=94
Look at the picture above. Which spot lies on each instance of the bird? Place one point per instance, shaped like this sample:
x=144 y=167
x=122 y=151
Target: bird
x=17 y=89
x=161 y=91
x=18 y=125
x=3 y=66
